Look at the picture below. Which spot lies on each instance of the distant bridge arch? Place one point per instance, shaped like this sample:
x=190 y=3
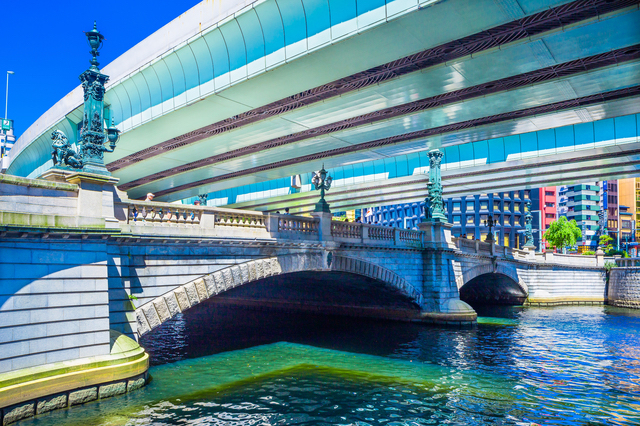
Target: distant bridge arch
x=492 y=283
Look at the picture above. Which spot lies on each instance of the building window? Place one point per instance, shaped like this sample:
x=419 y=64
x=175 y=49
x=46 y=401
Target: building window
x=526 y=194
x=516 y=207
x=484 y=205
x=470 y=220
x=549 y=215
x=456 y=218
x=456 y=206
x=496 y=205
x=549 y=204
x=470 y=206
x=549 y=193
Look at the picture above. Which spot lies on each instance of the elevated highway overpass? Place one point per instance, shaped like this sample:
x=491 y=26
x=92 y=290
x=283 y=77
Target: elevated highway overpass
x=233 y=100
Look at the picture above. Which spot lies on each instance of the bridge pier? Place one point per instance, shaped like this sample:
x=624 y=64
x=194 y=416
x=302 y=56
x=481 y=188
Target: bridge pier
x=440 y=291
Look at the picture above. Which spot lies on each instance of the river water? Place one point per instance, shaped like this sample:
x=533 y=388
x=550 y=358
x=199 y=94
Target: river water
x=218 y=365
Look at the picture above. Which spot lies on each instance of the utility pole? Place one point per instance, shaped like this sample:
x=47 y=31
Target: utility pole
x=5 y=125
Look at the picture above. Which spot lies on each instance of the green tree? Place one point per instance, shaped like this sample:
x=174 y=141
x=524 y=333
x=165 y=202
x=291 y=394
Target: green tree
x=605 y=242
x=563 y=233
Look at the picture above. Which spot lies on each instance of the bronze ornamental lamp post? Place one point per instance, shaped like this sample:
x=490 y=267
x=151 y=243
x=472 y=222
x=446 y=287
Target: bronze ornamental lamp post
x=490 y=223
x=322 y=182
x=434 y=205
x=88 y=154
x=528 y=231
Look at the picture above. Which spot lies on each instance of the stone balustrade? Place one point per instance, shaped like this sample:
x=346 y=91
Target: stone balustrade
x=298 y=224
x=630 y=262
x=163 y=213
x=239 y=218
x=380 y=233
x=346 y=229
x=486 y=249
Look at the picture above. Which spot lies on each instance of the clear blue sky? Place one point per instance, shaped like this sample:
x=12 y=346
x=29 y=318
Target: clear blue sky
x=44 y=44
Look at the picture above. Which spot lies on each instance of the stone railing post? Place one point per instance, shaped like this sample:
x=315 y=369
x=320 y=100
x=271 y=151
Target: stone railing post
x=272 y=223
x=599 y=257
x=365 y=233
x=324 y=228
x=396 y=236
x=97 y=194
x=208 y=219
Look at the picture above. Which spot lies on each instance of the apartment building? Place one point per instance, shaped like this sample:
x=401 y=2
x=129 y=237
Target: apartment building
x=582 y=203
x=468 y=215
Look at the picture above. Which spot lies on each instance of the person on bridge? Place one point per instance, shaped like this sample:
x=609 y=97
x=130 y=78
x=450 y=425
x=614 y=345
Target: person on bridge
x=144 y=209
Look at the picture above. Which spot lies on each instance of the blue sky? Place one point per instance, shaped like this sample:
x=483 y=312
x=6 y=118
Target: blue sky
x=44 y=44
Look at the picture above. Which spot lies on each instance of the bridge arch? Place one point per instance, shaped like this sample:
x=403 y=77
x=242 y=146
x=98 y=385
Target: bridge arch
x=492 y=283
x=164 y=307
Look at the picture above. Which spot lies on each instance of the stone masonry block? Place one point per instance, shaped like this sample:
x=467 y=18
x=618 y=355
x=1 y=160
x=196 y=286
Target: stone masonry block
x=218 y=280
x=259 y=269
x=183 y=300
x=266 y=267
x=228 y=278
x=18 y=412
x=350 y=265
x=172 y=304
x=192 y=294
x=210 y=285
x=244 y=272
x=237 y=276
x=162 y=309
x=275 y=266
x=152 y=316
x=143 y=325
x=252 y=271
x=51 y=403
x=201 y=289
x=113 y=389
x=83 y=395
x=135 y=384
x=285 y=263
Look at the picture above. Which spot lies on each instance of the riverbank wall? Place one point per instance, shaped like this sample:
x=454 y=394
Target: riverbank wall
x=624 y=284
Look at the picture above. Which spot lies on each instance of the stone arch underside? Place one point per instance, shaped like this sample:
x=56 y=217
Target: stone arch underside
x=164 y=307
x=492 y=283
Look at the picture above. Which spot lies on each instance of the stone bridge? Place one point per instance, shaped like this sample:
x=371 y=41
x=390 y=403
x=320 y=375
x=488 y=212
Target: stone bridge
x=81 y=263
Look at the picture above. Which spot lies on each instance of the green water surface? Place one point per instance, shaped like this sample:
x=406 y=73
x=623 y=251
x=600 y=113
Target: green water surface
x=220 y=366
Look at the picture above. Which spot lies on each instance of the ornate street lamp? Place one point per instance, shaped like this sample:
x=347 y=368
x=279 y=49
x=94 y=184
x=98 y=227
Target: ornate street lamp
x=434 y=205
x=88 y=154
x=528 y=231
x=490 y=223
x=95 y=40
x=322 y=182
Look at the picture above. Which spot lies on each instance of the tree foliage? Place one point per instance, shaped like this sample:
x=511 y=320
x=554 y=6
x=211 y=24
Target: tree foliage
x=563 y=233
x=605 y=242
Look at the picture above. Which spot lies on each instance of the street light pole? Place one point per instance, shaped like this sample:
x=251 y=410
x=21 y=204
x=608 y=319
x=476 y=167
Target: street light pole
x=4 y=132
x=6 y=102
x=540 y=230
